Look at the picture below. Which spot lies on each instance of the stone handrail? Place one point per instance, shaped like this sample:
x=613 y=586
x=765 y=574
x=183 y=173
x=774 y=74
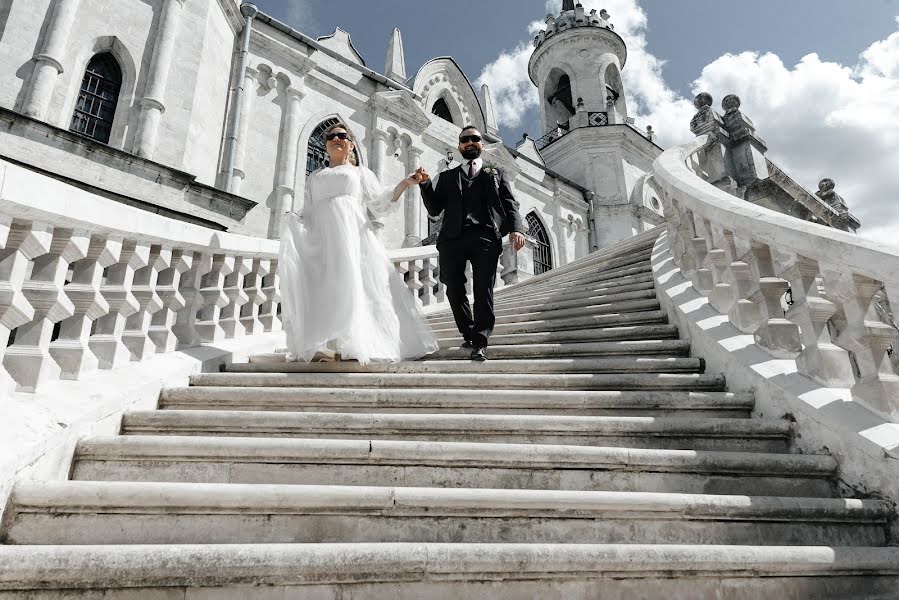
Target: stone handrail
x=87 y=283
x=837 y=325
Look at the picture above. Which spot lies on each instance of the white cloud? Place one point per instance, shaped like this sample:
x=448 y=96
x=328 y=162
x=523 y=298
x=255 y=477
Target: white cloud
x=298 y=13
x=820 y=119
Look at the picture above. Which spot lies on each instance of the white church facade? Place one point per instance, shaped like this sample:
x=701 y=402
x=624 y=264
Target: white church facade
x=210 y=112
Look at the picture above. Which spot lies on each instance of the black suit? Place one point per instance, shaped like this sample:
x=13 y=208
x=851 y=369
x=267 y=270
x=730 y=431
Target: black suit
x=477 y=213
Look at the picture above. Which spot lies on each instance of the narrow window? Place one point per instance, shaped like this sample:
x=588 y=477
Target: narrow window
x=97 y=100
x=543 y=260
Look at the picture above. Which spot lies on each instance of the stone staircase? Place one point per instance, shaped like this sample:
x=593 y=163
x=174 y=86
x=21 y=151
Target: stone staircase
x=591 y=457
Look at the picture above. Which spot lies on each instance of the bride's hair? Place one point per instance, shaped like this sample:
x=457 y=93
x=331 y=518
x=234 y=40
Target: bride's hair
x=352 y=138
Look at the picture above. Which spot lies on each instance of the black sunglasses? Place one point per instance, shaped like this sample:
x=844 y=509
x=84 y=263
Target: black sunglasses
x=342 y=135
x=469 y=138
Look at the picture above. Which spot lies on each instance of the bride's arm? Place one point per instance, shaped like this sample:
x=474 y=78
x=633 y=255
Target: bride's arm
x=383 y=199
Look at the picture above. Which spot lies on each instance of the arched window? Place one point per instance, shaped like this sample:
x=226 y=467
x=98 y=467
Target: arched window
x=543 y=259
x=97 y=100
x=316 y=155
x=441 y=109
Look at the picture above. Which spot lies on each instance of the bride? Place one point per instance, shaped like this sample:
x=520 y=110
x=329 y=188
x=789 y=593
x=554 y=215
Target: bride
x=340 y=292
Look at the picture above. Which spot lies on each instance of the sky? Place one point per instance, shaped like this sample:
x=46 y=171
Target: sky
x=819 y=78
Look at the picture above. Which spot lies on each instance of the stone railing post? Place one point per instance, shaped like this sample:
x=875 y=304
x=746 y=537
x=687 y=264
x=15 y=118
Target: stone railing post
x=71 y=350
x=152 y=105
x=412 y=201
x=48 y=62
x=21 y=243
x=214 y=299
x=136 y=336
x=703 y=279
x=185 y=325
x=28 y=360
x=778 y=336
x=723 y=296
x=820 y=358
x=428 y=281
x=271 y=289
x=868 y=338
x=249 y=312
x=229 y=320
x=167 y=287
x=106 y=342
x=745 y=314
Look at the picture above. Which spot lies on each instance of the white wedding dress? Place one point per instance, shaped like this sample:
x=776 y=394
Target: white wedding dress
x=339 y=290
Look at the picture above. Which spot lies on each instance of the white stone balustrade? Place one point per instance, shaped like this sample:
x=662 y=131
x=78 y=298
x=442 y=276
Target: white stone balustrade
x=753 y=256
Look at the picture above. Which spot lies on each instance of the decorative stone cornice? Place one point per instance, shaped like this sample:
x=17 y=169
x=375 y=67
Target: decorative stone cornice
x=400 y=107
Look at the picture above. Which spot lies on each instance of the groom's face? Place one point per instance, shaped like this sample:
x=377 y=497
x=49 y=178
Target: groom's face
x=470 y=144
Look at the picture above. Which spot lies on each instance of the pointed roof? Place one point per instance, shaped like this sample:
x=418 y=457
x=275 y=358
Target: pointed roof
x=567 y=5
x=396 y=61
x=489 y=115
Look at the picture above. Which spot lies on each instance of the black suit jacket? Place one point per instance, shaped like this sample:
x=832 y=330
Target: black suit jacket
x=446 y=197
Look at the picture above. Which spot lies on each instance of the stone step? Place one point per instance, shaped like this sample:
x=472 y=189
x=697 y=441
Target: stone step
x=687 y=433
x=407 y=571
x=449 y=464
x=595 y=334
x=624 y=364
x=572 y=349
x=620 y=292
x=545 y=322
x=172 y=513
x=472 y=380
x=481 y=401
x=664 y=348
x=561 y=309
x=587 y=279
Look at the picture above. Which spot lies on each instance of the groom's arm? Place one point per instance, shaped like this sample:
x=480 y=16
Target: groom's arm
x=510 y=205
x=434 y=202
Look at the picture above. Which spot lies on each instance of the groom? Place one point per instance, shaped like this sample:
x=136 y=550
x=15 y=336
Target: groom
x=478 y=210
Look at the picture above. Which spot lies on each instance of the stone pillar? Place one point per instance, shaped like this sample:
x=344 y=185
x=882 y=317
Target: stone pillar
x=48 y=62
x=413 y=201
x=240 y=140
x=378 y=150
x=152 y=105
x=285 y=176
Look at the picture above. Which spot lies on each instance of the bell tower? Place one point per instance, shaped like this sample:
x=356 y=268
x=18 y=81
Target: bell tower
x=576 y=65
x=587 y=134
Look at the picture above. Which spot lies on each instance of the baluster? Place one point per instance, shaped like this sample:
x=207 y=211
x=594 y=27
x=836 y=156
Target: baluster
x=702 y=278
x=414 y=282
x=779 y=337
x=672 y=216
x=271 y=288
x=106 y=342
x=167 y=284
x=468 y=279
x=249 y=312
x=820 y=359
x=21 y=243
x=214 y=299
x=723 y=296
x=867 y=337
x=136 y=336
x=71 y=351
x=499 y=283
x=745 y=314
x=28 y=360
x=428 y=281
x=441 y=287
x=185 y=324
x=229 y=320
x=686 y=234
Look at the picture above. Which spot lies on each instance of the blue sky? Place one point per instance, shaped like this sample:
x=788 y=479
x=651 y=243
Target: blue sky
x=820 y=78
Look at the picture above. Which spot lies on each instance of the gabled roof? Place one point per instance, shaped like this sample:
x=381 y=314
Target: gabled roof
x=341 y=40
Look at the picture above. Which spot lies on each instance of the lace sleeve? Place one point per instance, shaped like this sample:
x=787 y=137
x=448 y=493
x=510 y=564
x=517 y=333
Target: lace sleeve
x=377 y=197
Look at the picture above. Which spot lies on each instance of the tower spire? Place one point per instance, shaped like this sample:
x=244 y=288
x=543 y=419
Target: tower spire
x=396 y=61
x=567 y=5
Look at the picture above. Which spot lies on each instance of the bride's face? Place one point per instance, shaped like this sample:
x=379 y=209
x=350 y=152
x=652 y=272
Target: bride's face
x=338 y=144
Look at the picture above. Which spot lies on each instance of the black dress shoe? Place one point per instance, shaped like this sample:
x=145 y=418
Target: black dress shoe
x=466 y=344
x=479 y=354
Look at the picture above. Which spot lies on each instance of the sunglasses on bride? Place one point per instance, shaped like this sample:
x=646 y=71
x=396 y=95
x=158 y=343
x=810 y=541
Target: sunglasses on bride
x=338 y=135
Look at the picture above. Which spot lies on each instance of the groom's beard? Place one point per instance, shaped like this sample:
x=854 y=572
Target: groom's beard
x=471 y=153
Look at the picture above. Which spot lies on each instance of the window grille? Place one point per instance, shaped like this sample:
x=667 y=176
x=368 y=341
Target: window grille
x=97 y=100
x=543 y=260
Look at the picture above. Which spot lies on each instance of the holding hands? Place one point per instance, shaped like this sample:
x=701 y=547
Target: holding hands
x=419 y=176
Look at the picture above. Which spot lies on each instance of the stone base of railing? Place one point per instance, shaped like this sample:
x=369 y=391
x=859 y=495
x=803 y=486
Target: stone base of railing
x=865 y=443
x=38 y=431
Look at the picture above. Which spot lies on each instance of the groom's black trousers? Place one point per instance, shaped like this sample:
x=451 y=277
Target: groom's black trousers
x=480 y=247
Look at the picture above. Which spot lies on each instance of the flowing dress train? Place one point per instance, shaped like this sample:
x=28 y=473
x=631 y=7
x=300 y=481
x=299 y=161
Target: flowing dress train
x=339 y=289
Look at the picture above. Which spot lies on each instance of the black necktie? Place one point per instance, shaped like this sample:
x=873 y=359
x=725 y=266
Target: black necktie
x=471 y=169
